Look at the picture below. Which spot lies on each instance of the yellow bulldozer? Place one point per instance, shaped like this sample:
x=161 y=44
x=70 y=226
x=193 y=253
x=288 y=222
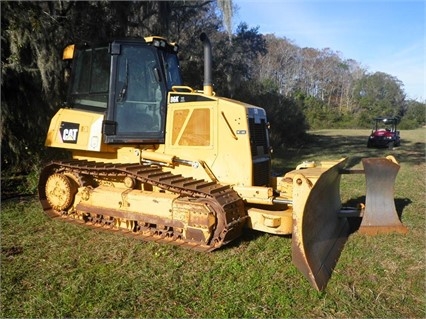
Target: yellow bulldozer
x=164 y=162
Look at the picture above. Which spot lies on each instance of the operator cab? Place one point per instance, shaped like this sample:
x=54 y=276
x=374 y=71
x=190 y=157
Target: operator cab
x=128 y=81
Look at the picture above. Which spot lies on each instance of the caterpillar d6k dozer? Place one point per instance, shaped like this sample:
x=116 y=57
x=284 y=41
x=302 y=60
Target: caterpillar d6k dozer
x=164 y=162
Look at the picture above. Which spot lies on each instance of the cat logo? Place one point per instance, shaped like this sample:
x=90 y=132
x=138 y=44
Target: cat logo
x=69 y=132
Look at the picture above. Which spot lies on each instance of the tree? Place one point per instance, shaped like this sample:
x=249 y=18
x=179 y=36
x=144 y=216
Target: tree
x=379 y=94
x=282 y=64
x=236 y=60
x=31 y=85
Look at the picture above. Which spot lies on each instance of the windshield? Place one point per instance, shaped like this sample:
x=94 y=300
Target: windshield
x=384 y=125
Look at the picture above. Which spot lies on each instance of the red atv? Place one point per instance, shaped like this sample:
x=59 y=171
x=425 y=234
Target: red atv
x=384 y=133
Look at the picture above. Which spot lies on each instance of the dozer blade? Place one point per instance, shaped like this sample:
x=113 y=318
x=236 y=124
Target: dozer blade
x=380 y=214
x=318 y=233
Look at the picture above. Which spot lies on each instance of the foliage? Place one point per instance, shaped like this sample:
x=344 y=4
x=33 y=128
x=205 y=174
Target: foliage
x=234 y=59
x=30 y=86
x=322 y=74
x=380 y=94
x=414 y=115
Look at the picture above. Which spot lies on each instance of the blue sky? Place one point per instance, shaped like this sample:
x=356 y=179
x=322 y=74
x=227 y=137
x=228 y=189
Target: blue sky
x=387 y=36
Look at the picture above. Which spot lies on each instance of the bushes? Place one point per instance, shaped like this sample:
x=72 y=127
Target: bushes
x=23 y=179
x=414 y=117
x=319 y=115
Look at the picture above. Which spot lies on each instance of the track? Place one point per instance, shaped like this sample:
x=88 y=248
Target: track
x=222 y=201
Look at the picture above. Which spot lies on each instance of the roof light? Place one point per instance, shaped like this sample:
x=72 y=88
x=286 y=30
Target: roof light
x=68 y=52
x=160 y=42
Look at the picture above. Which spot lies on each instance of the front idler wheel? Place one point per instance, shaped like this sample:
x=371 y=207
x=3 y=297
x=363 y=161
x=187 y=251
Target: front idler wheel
x=60 y=191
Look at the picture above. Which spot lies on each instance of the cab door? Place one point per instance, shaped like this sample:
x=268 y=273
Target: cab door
x=137 y=103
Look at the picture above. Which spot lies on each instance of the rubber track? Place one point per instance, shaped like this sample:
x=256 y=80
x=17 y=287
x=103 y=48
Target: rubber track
x=222 y=197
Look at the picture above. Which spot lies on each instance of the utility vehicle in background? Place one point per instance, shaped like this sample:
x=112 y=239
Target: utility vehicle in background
x=384 y=133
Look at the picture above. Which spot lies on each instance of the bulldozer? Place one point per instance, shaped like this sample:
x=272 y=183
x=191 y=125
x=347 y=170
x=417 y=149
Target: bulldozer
x=161 y=161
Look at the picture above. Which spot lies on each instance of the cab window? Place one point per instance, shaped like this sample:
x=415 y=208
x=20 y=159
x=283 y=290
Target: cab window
x=91 y=78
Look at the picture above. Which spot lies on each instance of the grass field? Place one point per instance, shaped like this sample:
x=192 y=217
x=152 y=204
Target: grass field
x=55 y=269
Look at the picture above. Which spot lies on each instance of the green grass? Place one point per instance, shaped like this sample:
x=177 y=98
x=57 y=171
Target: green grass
x=54 y=269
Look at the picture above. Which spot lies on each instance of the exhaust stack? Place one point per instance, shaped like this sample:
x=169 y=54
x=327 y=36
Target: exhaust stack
x=207 y=85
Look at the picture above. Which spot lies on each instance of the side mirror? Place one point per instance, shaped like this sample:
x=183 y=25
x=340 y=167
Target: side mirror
x=67 y=74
